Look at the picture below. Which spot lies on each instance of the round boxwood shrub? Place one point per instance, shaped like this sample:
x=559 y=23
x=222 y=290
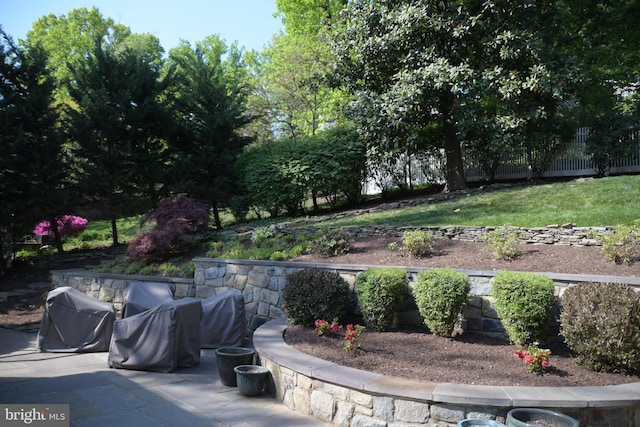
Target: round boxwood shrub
x=441 y=296
x=380 y=292
x=312 y=294
x=601 y=324
x=524 y=302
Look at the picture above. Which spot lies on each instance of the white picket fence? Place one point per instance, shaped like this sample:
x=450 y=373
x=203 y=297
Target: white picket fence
x=573 y=162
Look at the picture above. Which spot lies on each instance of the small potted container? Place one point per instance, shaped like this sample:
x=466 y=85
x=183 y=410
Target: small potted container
x=251 y=379
x=534 y=417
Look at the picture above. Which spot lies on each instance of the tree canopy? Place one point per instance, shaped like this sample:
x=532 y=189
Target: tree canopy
x=463 y=66
x=208 y=103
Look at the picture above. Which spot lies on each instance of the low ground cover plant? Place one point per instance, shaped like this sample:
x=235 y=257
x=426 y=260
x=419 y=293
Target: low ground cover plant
x=441 y=296
x=523 y=302
x=263 y=243
x=380 y=292
x=312 y=294
x=601 y=324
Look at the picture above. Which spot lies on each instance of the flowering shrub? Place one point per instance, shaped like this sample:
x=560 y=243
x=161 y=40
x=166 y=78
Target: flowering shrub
x=323 y=327
x=333 y=243
x=68 y=226
x=536 y=359
x=352 y=337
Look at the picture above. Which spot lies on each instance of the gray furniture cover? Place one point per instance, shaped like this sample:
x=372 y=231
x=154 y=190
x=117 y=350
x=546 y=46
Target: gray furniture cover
x=139 y=297
x=223 y=320
x=75 y=322
x=160 y=339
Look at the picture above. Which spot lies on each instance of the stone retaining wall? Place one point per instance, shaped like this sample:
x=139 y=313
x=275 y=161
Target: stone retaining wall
x=110 y=287
x=566 y=234
x=262 y=283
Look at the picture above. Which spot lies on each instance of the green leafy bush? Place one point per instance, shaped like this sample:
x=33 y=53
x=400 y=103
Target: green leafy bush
x=418 y=243
x=503 y=241
x=313 y=294
x=441 y=296
x=332 y=242
x=380 y=291
x=601 y=324
x=261 y=234
x=621 y=245
x=523 y=302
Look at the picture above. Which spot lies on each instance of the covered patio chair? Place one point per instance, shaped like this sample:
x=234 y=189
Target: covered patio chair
x=139 y=296
x=75 y=322
x=223 y=320
x=160 y=339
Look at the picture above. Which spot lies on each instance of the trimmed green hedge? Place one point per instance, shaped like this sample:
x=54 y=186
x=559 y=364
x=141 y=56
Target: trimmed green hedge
x=523 y=302
x=312 y=294
x=441 y=296
x=380 y=292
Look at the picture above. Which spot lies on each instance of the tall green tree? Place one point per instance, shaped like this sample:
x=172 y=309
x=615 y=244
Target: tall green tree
x=34 y=170
x=413 y=64
x=208 y=101
x=120 y=128
x=290 y=91
x=69 y=39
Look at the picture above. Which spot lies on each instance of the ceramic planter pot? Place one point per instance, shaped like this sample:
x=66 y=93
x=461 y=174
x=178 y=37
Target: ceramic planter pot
x=474 y=422
x=534 y=417
x=251 y=379
x=228 y=358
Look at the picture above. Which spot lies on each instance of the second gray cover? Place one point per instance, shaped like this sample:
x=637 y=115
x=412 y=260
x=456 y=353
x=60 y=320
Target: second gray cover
x=160 y=339
x=223 y=320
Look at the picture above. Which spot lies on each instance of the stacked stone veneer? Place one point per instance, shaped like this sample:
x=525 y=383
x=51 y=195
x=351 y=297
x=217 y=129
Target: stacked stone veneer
x=262 y=283
x=110 y=287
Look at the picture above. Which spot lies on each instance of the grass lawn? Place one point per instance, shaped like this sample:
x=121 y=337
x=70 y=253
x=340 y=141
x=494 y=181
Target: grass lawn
x=590 y=202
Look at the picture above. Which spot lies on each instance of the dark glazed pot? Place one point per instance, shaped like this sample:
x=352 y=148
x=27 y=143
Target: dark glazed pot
x=251 y=379
x=228 y=358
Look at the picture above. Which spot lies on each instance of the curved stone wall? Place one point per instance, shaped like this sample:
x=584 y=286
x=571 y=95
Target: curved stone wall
x=350 y=397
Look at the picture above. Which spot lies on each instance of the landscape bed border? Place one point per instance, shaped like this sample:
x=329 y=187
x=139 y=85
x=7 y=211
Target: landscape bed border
x=347 y=396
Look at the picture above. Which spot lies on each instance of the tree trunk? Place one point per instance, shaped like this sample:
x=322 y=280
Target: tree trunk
x=216 y=214
x=114 y=231
x=454 y=169
x=56 y=234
